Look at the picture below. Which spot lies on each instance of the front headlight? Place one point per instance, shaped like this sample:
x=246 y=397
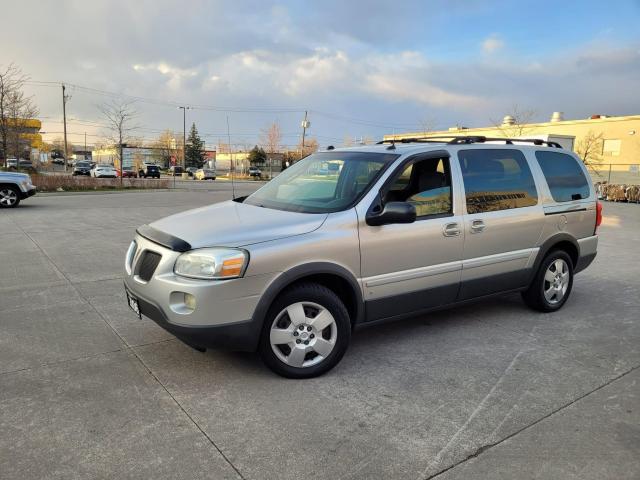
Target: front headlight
x=212 y=263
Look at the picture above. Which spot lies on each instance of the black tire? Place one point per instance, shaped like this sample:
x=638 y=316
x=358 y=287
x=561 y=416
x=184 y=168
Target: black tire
x=16 y=194
x=535 y=297
x=316 y=294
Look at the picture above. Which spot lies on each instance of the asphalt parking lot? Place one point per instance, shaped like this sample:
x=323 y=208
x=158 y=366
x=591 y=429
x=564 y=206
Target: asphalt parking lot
x=489 y=390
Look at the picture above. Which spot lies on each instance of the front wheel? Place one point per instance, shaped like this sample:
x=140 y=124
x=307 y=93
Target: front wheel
x=552 y=284
x=9 y=197
x=306 y=332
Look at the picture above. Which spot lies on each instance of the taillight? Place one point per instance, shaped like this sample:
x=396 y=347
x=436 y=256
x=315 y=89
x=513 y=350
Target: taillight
x=598 y=216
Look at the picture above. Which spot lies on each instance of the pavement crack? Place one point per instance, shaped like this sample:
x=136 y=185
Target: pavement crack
x=476 y=411
x=58 y=362
x=131 y=350
x=175 y=400
x=479 y=451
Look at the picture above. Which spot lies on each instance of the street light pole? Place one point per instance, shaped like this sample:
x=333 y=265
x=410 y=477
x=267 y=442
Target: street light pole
x=64 y=119
x=184 y=137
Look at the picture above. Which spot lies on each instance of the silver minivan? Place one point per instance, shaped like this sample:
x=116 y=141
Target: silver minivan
x=351 y=237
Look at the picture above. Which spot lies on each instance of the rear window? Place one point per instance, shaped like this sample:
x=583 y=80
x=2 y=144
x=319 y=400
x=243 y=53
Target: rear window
x=564 y=176
x=496 y=179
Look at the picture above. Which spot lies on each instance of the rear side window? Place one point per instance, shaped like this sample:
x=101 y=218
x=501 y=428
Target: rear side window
x=496 y=179
x=564 y=176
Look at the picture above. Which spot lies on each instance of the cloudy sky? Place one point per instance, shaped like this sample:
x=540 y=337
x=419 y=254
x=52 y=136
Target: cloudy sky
x=361 y=68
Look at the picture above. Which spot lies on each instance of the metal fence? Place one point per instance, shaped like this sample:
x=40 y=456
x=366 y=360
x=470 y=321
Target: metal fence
x=615 y=173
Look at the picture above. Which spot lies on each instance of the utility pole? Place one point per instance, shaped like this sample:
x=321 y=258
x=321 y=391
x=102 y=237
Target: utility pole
x=305 y=124
x=64 y=118
x=121 y=157
x=85 y=143
x=184 y=137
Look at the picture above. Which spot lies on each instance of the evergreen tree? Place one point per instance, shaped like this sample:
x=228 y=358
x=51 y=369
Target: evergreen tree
x=194 y=151
x=257 y=156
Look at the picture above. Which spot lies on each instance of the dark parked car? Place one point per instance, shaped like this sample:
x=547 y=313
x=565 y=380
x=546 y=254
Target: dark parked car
x=191 y=171
x=128 y=172
x=149 y=171
x=82 y=168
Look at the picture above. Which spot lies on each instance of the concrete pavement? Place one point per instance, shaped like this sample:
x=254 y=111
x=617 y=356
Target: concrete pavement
x=487 y=390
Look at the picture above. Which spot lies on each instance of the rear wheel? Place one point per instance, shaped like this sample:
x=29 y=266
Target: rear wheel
x=306 y=332
x=9 y=197
x=552 y=284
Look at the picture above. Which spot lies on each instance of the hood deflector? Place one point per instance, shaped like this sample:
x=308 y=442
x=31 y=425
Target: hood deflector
x=166 y=240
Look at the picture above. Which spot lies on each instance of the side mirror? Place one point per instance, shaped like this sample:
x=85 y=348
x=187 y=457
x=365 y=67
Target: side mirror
x=392 y=212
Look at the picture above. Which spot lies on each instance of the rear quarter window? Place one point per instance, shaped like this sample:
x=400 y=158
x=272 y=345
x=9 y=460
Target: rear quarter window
x=496 y=179
x=564 y=176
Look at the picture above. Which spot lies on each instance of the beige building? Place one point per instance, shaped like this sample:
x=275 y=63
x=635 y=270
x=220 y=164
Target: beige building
x=133 y=156
x=241 y=162
x=605 y=140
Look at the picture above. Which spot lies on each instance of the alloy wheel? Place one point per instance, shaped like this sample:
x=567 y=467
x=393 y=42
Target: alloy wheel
x=303 y=334
x=556 y=281
x=8 y=197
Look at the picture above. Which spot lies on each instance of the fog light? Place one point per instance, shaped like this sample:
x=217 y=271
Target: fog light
x=190 y=301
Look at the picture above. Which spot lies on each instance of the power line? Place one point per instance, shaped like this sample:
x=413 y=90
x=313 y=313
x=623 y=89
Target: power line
x=91 y=123
x=229 y=109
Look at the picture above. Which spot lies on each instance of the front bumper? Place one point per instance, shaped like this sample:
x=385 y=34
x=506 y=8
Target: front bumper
x=240 y=336
x=224 y=309
x=29 y=193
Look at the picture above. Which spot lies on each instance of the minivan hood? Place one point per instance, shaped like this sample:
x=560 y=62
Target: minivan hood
x=234 y=224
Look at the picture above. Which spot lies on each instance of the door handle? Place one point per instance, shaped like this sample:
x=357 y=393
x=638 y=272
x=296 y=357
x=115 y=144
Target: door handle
x=451 y=230
x=477 y=226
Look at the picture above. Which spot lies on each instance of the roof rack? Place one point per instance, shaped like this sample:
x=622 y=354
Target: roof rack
x=467 y=139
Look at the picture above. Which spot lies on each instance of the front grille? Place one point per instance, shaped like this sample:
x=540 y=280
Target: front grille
x=148 y=264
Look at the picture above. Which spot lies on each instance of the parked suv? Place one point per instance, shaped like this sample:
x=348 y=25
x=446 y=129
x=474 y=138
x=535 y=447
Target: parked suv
x=149 y=170
x=14 y=187
x=389 y=231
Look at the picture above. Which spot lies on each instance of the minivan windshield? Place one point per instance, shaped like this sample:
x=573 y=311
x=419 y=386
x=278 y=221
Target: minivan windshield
x=322 y=182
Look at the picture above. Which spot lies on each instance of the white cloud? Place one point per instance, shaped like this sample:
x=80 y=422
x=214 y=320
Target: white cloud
x=492 y=44
x=174 y=75
x=318 y=58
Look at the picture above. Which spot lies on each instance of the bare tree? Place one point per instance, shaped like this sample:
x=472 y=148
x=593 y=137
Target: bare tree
x=427 y=125
x=119 y=115
x=272 y=138
x=16 y=110
x=57 y=146
x=589 y=148
x=168 y=146
x=224 y=147
x=516 y=123
x=347 y=141
x=310 y=145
